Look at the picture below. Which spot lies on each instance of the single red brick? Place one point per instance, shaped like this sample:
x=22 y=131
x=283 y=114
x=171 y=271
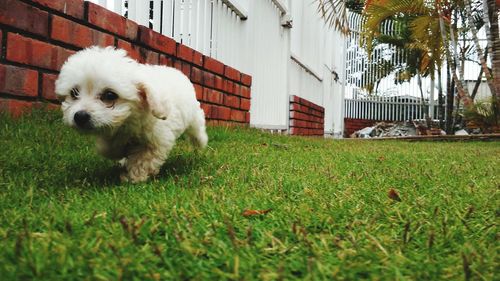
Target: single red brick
x=212 y=96
x=199 y=92
x=72 y=8
x=238 y=115
x=236 y=89
x=156 y=40
x=231 y=73
x=24 y=16
x=232 y=101
x=196 y=75
x=186 y=69
x=214 y=111
x=36 y=53
x=132 y=50
x=247 y=117
x=78 y=35
x=208 y=79
x=206 y=93
x=246 y=79
x=164 y=60
x=224 y=113
x=228 y=86
x=114 y=23
x=245 y=104
x=48 y=81
x=206 y=109
x=15 y=108
x=1 y=38
x=245 y=92
x=299 y=115
x=18 y=81
x=219 y=83
x=148 y=57
x=197 y=58
x=213 y=65
x=178 y=65
x=185 y=53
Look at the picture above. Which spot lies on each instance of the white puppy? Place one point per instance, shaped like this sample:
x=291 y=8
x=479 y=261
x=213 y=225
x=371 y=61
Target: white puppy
x=136 y=111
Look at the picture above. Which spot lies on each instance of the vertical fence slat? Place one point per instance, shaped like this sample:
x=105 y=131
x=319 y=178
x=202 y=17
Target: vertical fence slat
x=157 y=15
x=118 y=7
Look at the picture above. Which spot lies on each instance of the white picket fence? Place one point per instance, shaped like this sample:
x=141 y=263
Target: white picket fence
x=388 y=100
x=258 y=37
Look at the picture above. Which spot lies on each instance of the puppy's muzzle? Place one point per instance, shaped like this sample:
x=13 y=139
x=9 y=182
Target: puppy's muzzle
x=82 y=120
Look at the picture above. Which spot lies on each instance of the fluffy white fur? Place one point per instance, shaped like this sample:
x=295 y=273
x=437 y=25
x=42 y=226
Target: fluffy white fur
x=154 y=106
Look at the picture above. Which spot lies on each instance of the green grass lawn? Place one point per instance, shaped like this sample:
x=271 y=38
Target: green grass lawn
x=64 y=214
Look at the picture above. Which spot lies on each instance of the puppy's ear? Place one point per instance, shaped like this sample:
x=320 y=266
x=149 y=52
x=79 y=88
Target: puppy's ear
x=150 y=102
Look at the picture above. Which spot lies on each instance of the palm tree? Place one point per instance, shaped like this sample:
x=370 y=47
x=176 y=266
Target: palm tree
x=335 y=13
x=426 y=23
x=430 y=19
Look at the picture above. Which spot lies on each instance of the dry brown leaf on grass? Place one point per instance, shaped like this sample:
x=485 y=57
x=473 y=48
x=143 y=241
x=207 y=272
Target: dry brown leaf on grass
x=394 y=195
x=249 y=213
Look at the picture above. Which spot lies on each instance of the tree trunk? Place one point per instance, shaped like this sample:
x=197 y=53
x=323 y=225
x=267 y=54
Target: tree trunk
x=462 y=92
x=450 y=93
x=479 y=50
x=494 y=39
x=476 y=86
x=440 y=100
x=479 y=77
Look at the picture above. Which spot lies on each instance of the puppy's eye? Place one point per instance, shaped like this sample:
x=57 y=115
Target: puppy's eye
x=74 y=93
x=108 y=96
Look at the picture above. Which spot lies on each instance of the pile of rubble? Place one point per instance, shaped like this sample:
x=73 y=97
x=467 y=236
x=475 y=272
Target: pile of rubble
x=418 y=128
x=396 y=129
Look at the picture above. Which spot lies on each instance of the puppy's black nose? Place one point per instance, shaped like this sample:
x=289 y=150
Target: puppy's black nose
x=82 y=118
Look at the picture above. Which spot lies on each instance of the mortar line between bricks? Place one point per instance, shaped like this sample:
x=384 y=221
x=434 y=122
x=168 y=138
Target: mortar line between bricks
x=221 y=91
x=40 y=81
x=49 y=26
x=3 y=54
x=86 y=11
x=16 y=97
x=222 y=105
x=27 y=34
x=36 y=68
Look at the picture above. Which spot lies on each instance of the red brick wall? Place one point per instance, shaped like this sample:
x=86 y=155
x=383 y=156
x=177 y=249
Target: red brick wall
x=37 y=36
x=352 y=125
x=306 y=118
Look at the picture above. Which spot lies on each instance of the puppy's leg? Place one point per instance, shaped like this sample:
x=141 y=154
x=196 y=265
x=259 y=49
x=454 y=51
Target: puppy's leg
x=143 y=163
x=197 y=130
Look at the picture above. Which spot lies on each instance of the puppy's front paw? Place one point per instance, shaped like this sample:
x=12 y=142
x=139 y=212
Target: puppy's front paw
x=137 y=173
x=124 y=177
x=133 y=177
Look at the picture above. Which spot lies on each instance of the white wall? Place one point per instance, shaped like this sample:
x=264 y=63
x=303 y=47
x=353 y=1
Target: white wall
x=317 y=52
x=258 y=46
